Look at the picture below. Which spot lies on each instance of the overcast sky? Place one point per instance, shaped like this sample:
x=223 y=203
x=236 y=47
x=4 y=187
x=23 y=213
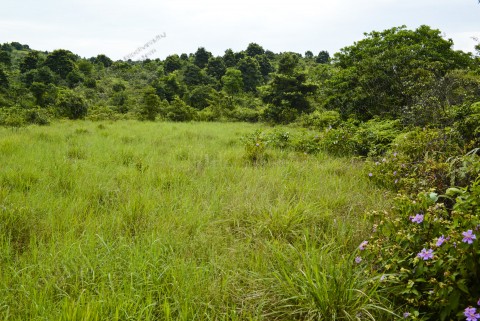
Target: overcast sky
x=118 y=27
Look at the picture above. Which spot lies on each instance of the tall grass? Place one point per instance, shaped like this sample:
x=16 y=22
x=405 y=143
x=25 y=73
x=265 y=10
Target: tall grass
x=163 y=221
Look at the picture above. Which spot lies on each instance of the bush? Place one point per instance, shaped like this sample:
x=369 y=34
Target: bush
x=72 y=105
x=340 y=141
x=37 y=116
x=255 y=147
x=426 y=254
x=177 y=110
x=418 y=160
x=375 y=136
x=320 y=119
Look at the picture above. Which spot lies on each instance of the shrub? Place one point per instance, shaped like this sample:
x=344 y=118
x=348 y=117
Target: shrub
x=418 y=160
x=340 y=141
x=72 y=105
x=426 y=253
x=320 y=119
x=177 y=110
x=255 y=147
x=375 y=136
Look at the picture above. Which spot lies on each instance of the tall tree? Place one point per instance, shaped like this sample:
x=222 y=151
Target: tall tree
x=323 y=57
x=216 y=67
x=201 y=57
x=251 y=75
x=61 y=62
x=385 y=72
x=254 y=50
x=29 y=62
x=286 y=94
x=229 y=58
x=172 y=63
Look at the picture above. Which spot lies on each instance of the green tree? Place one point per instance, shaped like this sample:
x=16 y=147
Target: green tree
x=72 y=104
x=5 y=58
x=216 y=67
x=232 y=81
x=229 y=58
x=103 y=60
x=308 y=54
x=168 y=87
x=286 y=94
x=172 y=63
x=29 y=62
x=74 y=78
x=251 y=75
x=61 y=62
x=265 y=66
x=199 y=97
x=254 y=50
x=150 y=105
x=4 y=82
x=201 y=57
x=194 y=76
x=388 y=71
x=323 y=57
x=39 y=90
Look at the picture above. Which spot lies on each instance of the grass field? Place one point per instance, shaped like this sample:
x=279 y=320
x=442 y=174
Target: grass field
x=168 y=221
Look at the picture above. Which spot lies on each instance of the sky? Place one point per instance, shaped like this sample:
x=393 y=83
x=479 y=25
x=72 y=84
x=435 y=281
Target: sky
x=117 y=28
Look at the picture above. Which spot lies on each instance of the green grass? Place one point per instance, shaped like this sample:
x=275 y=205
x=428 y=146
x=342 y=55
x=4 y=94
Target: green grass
x=163 y=221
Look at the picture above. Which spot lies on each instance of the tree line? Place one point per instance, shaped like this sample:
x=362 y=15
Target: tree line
x=412 y=75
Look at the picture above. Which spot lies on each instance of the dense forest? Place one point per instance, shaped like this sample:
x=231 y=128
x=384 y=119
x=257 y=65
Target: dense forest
x=411 y=75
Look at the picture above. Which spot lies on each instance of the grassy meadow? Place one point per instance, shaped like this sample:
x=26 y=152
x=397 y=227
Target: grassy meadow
x=169 y=221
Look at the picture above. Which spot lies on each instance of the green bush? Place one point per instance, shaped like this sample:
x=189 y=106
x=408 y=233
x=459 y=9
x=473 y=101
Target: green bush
x=426 y=255
x=320 y=119
x=340 y=141
x=375 y=136
x=419 y=160
x=177 y=110
x=255 y=147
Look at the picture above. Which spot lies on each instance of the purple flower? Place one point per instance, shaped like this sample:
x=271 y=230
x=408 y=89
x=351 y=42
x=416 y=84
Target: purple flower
x=471 y=314
x=426 y=254
x=362 y=245
x=468 y=237
x=257 y=144
x=370 y=174
x=417 y=218
x=358 y=259
x=440 y=241
x=395 y=154
x=406 y=315
x=394 y=173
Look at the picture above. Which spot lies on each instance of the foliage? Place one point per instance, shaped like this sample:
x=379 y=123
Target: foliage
x=388 y=71
x=286 y=93
x=255 y=147
x=418 y=160
x=61 y=62
x=426 y=253
x=320 y=119
x=72 y=104
x=177 y=110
